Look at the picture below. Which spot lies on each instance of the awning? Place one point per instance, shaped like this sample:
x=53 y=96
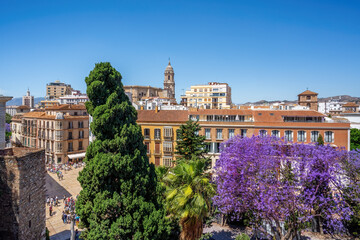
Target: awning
x=77 y=155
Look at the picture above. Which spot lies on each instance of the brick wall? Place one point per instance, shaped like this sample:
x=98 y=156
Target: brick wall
x=22 y=190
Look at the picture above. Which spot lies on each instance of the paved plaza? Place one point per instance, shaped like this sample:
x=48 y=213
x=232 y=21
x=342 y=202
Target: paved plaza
x=69 y=186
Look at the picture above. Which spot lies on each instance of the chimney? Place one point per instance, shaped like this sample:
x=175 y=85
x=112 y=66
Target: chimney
x=3 y=100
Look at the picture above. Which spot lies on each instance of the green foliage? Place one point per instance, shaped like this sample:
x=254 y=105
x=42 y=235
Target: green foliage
x=190 y=144
x=206 y=236
x=120 y=195
x=47 y=234
x=188 y=195
x=320 y=140
x=7 y=136
x=242 y=236
x=8 y=118
x=354 y=139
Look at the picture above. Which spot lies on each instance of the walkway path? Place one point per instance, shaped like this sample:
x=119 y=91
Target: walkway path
x=69 y=186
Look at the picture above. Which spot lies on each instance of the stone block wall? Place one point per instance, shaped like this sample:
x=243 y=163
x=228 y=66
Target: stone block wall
x=22 y=194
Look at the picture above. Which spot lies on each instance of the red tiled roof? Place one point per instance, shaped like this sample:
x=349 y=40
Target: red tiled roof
x=23 y=107
x=162 y=116
x=308 y=92
x=350 y=104
x=67 y=107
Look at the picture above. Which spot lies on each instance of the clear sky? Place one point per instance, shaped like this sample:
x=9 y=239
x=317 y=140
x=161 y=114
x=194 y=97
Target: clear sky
x=265 y=49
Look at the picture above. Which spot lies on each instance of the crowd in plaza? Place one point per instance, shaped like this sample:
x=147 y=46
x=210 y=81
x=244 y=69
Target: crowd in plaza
x=58 y=168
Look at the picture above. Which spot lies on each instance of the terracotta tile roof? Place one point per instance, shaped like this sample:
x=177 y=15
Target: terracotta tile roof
x=277 y=115
x=350 y=104
x=308 y=92
x=221 y=112
x=162 y=116
x=67 y=107
x=23 y=107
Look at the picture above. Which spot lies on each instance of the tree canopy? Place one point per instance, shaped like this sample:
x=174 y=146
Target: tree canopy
x=282 y=185
x=119 y=196
x=190 y=143
x=354 y=139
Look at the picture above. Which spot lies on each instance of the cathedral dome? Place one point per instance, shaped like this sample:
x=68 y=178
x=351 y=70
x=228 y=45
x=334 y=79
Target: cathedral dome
x=169 y=68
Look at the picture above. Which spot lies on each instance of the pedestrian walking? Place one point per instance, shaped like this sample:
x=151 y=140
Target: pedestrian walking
x=48 y=201
x=50 y=210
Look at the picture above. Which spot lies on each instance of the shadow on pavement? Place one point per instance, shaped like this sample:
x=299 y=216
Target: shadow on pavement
x=55 y=189
x=64 y=235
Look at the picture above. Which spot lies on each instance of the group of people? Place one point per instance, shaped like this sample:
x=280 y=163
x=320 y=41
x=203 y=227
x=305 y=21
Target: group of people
x=52 y=201
x=69 y=207
x=56 y=168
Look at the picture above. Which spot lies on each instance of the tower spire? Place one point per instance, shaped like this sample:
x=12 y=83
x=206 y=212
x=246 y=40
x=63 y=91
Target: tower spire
x=169 y=62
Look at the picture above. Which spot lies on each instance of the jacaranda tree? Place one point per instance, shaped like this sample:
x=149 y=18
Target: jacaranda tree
x=281 y=184
x=119 y=197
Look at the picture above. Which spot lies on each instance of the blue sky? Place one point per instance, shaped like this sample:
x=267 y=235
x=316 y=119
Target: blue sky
x=264 y=49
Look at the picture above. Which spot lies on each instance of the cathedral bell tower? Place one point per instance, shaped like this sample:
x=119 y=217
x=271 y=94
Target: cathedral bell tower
x=169 y=83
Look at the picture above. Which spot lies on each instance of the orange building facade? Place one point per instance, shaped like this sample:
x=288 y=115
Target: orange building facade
x=218 y=125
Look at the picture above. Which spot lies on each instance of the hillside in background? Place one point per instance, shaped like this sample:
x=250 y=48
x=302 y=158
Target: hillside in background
x=343 y=98
x=18 y=101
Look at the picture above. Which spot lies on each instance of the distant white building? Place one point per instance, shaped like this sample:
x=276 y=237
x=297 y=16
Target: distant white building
x=151 y=103
x=332 y=106
x=11 y=110
x=76 y=97
x=28 y=100
x=287 y=106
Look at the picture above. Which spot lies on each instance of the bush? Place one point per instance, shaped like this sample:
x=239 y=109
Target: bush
x=242 y=236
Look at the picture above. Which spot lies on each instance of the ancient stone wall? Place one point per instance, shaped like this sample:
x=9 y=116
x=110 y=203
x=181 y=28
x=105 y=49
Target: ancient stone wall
x=22 y=194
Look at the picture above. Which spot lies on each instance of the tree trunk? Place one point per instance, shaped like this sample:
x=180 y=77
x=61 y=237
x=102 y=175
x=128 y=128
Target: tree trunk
x=191 y=229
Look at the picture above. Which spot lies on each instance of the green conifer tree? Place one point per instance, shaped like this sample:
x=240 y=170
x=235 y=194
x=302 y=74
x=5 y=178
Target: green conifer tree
x=320 y=140
x=119 y=198
x=189 y=143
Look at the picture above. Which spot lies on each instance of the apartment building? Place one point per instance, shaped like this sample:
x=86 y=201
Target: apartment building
x=63 y=131
x=57 y=89
x=159 y=128
x=214 y=95
x=218 y=125
x=76 y=97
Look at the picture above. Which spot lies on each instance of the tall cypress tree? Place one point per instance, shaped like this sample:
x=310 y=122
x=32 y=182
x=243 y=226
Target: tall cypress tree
x=190 y=144
x=118 y=199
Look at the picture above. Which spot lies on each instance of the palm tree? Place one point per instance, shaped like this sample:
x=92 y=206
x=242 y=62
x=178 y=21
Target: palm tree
x=188 y=196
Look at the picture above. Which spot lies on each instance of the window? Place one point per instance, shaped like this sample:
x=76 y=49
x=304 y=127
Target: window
x=75 y=114
x=70 y=136
x=207 y=133
x=30 y=224
x=70 y=147
x=157 y=148
x=147 y=144
x=243 y=132
x=168 y=132
x=80 y=145
x=157 y=134
x=167 y=147
x=308 y=97
x=216 y=147
x=167 y=161
x=157 y=161
x=59 y=160
x=219 y=134
x=147 y=133
x=314 y=136
x=262 y=133
x=81 y=124
x=81 y=134
x=231 y=133
x=178 y=137
x=208 y=147
x=288 y=135
x=275 y=133
x=301 y=136
x=70 y=125
x=329 y=136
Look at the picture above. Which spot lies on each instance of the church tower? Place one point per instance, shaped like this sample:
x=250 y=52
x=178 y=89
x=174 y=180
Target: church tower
x=169 y=83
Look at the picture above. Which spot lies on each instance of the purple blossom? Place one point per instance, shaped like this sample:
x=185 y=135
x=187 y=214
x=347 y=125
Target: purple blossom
x=7 y=127
x=280 y=182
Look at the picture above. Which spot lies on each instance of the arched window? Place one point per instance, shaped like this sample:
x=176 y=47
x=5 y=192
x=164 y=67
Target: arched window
x=168 y=77
x=288 y=135
x=275 y=133
x=314 y=136
x=301 y=136
x=262 y=133
x=329 y=137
